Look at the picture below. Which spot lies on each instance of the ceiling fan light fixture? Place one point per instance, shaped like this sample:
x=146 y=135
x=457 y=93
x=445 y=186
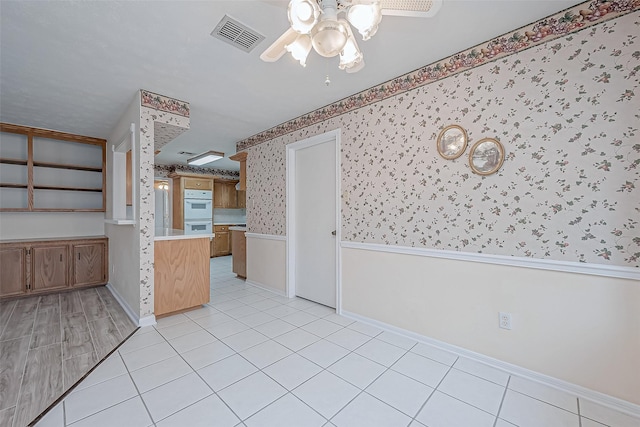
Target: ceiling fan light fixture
x=303 y=15
x=365 y=15
x=329 y=37
x=300 y=48
x=351 y=55
x=204 y=158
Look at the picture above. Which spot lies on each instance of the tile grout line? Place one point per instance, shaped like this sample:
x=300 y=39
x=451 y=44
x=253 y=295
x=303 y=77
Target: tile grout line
x=363 y=390
x=435 y=389
x=504 y=394
x=579 y=416
x=202 y=379
x=137 y=389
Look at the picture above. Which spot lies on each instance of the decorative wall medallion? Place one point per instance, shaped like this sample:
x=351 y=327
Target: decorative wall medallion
x=452 y=142
x=486 y=156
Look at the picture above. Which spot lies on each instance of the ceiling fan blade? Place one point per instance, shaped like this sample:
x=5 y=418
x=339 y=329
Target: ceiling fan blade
x=413 y=8
x=277 y=49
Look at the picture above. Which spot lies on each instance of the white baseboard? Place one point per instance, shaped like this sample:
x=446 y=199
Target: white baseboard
x=140 y=321
x=149 y=320
x=266 y=288
x=582 y=392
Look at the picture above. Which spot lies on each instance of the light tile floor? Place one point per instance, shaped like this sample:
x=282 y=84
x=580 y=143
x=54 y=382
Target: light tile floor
x=253 y=358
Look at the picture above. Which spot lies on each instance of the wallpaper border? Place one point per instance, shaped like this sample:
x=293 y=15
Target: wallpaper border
x=631 y=273
x=164 y=103
x=568 y=21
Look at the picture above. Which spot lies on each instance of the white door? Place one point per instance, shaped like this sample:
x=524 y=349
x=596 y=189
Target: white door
x=315 y=222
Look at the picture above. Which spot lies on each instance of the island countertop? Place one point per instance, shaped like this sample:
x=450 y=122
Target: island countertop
x=174 y=234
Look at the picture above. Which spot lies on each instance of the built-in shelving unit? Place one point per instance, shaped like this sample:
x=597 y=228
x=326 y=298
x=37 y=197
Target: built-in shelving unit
x=43 y=170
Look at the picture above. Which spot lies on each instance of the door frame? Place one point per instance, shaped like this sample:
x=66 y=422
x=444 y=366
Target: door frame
x=331 y=136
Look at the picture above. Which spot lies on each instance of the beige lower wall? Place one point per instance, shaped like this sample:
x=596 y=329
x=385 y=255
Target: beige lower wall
x=266 y=263
x=124 y=264
x=35 y=225
x=579 y=328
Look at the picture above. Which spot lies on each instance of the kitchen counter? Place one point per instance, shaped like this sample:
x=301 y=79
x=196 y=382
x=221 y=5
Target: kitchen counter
x=174 y=234
x=230 y=223
x=237 y=228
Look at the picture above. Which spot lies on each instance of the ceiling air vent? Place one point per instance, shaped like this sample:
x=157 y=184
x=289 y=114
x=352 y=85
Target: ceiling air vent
x=237 y=34
x=415 y=8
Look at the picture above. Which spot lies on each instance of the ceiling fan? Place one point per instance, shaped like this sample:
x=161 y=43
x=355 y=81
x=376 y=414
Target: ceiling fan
x=326 y=25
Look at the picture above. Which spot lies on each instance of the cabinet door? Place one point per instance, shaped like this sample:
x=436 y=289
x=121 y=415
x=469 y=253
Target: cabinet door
x=231 y=196
x=242 y=199
x=218 y=195
x=222 y=243
x=197 y=184
x=88 y=264
x=13 y=279
x=239 y=252
x=50 y=267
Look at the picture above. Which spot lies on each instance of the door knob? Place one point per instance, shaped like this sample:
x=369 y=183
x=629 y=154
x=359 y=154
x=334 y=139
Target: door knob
x=333 y=233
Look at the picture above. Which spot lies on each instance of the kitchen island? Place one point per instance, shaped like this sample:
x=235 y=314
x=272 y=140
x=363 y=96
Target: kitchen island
x=181 y=276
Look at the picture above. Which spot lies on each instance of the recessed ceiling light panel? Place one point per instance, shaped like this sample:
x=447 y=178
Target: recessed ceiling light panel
x=204 y=158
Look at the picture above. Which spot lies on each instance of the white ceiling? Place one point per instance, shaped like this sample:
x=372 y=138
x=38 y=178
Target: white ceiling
x=74 y=66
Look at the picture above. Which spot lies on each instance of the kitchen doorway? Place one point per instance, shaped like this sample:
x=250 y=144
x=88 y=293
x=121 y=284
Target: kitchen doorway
x=313 y=219
x=162 y=194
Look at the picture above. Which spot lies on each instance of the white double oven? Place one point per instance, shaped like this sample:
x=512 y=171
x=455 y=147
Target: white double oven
x=198 y=211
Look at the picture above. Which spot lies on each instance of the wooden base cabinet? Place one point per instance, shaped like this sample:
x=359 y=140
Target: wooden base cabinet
x=181 y=275
x=13 y=271
x=221 y=240
x=38 y=266
x=88 y=263
x=239 y=243
x=50 y=267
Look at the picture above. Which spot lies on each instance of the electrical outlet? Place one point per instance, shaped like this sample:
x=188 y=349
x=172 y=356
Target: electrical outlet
x=113 y=268
x=505 y=320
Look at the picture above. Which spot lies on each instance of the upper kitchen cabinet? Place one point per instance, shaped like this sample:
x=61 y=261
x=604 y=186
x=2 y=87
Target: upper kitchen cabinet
x=182 y=182
x=225 y=194
x=242 y=158
x=45 y=170
x=198 y=184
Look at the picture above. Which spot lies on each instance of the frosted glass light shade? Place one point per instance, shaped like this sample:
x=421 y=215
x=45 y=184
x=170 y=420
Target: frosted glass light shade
x=365 y=17
x=303 y=15
x=329 y=37
x=300 y=48
x=350 y=54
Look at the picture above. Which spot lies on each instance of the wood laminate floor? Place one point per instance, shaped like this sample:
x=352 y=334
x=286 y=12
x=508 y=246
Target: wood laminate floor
x=49 y=342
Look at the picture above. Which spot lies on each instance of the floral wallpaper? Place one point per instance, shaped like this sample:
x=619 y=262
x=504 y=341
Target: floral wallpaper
x=165 y=133
x=154 y=126
x=565 y=22
x=566 y=112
